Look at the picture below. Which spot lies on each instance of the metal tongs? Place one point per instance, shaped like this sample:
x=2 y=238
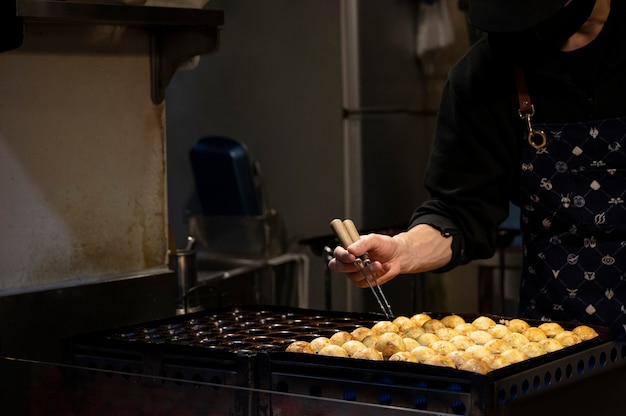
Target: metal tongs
x=347 y=234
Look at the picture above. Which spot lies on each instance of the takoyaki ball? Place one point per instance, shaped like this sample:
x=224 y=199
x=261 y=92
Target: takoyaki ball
x=514 y=355
x=496 y=361
x=465 y=328
x=446 y=334
x=459 y=357
x=497 y=346
x=403 y=356
x=410 y=343
x=440 y=360
x=369 y=354
x=499 y=331
x=568 y=338
x=532 y=349
x=550 y=345
x=370 y=341
x=333 y=350
x=422 y=352
x=551 y=329
x=475 y=366
x=451 y=321
x=483 y=322
x=300 y=346
x=414 y=332
x=432 y=325
x=404 y=323
x=340 y=338
x=361 y=332
x=535 y=334
x=319 y=343
x=477 y=351
x=390 y=343
x=427 y=338
x=517 y=325
x=353 y=346
x=420 y=318
x=480 y=337
x=461 y=342
x=585 y=332
x=382 y=327
x=515 y=339
x=442 y=347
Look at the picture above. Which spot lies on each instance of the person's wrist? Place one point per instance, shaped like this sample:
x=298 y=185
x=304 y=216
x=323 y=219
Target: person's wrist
x=424 y=248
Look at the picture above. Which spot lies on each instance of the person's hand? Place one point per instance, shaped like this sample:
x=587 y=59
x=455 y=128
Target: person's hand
x=420 y=249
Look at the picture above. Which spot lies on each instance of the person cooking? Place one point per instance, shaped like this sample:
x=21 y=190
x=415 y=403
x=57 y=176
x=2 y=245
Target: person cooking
x=533 y=114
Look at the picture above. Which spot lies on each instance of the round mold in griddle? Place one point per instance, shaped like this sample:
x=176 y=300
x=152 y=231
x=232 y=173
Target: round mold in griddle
x=180 y=340
x=346 y=328
x=219 y=347
x=265 y=347
x=261 y=339
x=152 y=337
x=298 y=321
x=239 y=345
x=263 y=312
x=220 y=323
x=206 y=342
x=279 y=327
x=200 y=327
x=257 y=331
x=156 y=341
x=303 y=329
x=204 y=334
x=227 y=330
x=233 y=337
x=325 y=324
x=251 y=324
x=283 y=343
x=290 y=316
x=285 y=334
x=307 y=337
x=342 y=319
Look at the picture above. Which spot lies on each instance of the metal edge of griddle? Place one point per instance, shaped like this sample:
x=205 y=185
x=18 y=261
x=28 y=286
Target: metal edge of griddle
x=560 y=371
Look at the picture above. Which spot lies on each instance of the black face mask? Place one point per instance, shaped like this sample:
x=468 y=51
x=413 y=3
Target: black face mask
x=565 y=23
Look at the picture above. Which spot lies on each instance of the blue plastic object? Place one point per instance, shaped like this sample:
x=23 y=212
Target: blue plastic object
x=224 y=178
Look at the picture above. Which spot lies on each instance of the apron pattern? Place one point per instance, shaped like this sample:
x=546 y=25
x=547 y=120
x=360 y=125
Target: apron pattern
x=573 y=216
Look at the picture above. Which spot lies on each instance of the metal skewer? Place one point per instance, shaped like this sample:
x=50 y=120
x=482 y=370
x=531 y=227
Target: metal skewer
x=354 y=233
x=347 y=233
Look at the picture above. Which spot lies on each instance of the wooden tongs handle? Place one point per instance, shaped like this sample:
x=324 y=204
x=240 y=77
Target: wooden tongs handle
x=347 y=234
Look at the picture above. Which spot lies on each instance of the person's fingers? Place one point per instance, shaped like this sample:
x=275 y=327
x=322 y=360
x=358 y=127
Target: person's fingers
x=343 y=255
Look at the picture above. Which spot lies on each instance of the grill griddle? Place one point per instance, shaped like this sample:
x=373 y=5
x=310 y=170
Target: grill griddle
x=245 y=346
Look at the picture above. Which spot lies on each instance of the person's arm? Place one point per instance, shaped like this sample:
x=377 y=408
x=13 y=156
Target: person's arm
x=472 y=175
x=474 y=163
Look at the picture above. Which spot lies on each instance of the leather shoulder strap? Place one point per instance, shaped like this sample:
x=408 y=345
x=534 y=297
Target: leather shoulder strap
x=525 y=106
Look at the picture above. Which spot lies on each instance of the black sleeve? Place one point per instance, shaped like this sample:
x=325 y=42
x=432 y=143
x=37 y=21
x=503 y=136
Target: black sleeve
x=474 y=162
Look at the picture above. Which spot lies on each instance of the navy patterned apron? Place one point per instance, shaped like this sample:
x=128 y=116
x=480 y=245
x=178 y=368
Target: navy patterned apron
x=573 y=221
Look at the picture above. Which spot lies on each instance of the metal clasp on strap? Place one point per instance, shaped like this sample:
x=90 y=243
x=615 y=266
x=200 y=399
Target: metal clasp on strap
x=536 y=138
